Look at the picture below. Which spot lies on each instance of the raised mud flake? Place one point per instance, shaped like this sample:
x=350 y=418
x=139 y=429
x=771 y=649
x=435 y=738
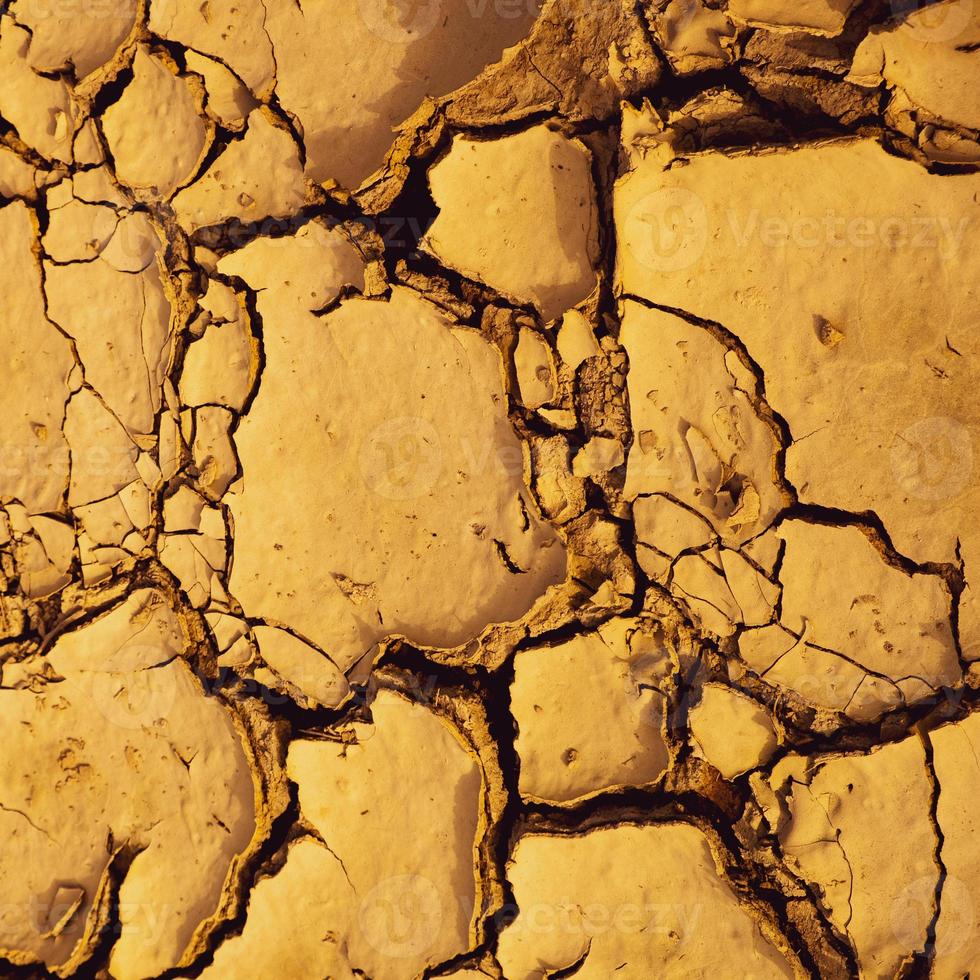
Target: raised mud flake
x=413 y=463
x=306 y=270
x=386 y=60
x=78 y=232
x=577 y=63
x=632 y=899
x=38 y=362
x=87 y=146
x=589 y=715
x=229 y=30
x=309 y=677
x=109 y=521
x=957 y=773
x=736 y=239
x=17 y=176
x=537 y=238
x=221 y=366
x=664 y=529
x=229 y=100
x=40 y=108
x=197 y=559
x=97 y=185
x=928 y=63
x=822 y=678
x=121 y=325
x=154 y=132
x=697 y=434
x=723 y=590
x=296 y=922
x=100 y=720
x=599 y=455
x=238 y=184
x=576 y=340
x=844 y=598
x=212 y=449
x=39 y=550
x=693 y=36
x=700 y=584
x=752 y=229
x=831 y=815
x=79 y=38
x=535 y=369
x=733 y=732
x=104 y=456
x=821 y=17
x=383 y=911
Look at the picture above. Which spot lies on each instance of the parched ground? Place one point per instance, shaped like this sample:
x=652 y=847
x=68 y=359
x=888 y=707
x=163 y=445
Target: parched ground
x=489 y=490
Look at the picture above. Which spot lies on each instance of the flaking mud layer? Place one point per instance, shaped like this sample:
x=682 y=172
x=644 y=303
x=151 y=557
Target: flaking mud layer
x=488 y=489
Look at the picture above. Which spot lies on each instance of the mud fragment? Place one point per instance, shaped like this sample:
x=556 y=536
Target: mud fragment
x=598 y=886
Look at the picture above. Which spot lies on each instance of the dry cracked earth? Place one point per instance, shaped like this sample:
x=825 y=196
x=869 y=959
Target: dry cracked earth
x=489 y=491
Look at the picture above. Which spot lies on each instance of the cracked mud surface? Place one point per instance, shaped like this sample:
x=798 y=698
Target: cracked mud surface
x=489 y=490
